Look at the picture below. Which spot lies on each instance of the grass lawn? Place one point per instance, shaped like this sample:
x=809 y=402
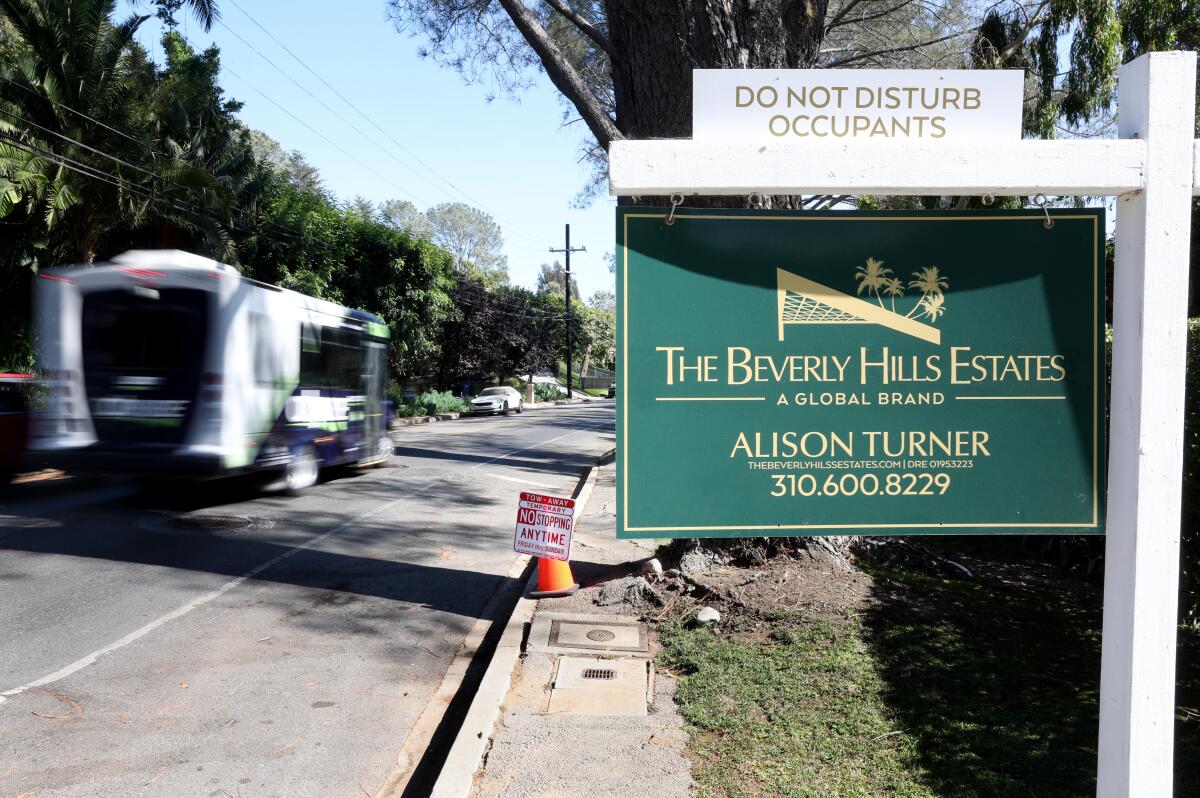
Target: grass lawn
x=928 y=687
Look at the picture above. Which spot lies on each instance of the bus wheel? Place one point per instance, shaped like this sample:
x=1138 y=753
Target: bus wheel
x=302 y=470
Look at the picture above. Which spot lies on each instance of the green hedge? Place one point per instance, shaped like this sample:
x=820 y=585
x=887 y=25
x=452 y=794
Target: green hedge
x=429 y=403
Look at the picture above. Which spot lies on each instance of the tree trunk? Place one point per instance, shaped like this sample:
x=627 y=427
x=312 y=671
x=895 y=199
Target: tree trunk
x=659 y=44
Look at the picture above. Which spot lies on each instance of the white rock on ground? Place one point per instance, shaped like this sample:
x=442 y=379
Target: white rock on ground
x=708 y=615
x=652 y=566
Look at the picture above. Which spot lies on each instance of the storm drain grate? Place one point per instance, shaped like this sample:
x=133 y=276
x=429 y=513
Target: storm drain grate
x=594 y=686
x=201 y=523
x=601 y=635
x=204 y=523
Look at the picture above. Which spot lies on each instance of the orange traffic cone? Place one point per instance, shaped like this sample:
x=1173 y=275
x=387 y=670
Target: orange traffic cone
x=554 y=579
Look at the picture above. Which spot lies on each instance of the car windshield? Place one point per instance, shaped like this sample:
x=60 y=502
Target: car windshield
x=493 y=392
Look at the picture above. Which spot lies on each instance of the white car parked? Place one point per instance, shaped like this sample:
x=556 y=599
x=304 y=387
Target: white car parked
x=499 y=399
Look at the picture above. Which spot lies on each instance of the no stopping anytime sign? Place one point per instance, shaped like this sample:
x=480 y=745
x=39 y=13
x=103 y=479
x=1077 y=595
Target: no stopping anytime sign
x=544 y=525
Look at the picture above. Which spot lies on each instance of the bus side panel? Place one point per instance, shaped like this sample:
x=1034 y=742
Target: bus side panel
x=63 y=422
x=326 y=409
x=260 y=374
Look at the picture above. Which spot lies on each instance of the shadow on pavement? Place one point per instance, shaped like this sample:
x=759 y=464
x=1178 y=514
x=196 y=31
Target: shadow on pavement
x=234 y=552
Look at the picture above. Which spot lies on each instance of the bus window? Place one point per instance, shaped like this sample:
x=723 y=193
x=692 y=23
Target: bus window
x=330 y=358
x=310 y=356
x=267 y=369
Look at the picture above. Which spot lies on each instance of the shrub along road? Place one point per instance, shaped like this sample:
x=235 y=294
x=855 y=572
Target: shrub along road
x=220 y=641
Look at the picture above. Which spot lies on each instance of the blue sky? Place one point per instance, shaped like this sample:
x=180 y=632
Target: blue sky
x=515 y=159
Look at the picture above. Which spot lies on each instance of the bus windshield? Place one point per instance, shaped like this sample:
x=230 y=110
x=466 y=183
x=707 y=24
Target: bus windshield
x=129 y=332
x=143 y=355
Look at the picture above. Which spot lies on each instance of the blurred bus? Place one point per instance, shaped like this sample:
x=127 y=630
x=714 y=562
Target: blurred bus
x=170 y=364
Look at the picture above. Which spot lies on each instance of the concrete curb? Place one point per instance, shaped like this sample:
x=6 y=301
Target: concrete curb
x=471 y=744
x=415 y=421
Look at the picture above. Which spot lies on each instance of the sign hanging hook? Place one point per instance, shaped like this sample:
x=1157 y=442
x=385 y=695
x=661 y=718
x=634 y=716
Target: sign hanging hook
x=1041 y=201
x=676 y=201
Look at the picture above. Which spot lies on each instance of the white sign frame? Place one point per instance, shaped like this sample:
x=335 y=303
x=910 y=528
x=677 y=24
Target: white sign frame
x=1154 y=169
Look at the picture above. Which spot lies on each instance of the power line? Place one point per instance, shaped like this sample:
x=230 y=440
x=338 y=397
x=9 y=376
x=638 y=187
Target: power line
x=66 y=107
x=369 y=120
x=323 y=104
x=325 y=138
x=279 y=228
x=88 y=147
x=487 y=309
x=121 y=183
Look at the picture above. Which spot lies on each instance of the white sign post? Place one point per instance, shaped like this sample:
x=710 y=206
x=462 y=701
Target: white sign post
x=1153 y=167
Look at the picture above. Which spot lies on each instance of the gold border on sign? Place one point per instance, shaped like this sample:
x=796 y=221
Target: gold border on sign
x=624 y=327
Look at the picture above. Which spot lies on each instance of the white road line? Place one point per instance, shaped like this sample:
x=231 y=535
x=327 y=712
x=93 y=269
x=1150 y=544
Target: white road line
x=179 y=612
x=200 y=601
x=520 y=481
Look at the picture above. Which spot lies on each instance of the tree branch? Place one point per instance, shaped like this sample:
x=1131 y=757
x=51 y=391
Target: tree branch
x=1019 y=41
x=859 y=20
x=906 y=48
x=841 y=14
x=561 y=73
x=586 y=28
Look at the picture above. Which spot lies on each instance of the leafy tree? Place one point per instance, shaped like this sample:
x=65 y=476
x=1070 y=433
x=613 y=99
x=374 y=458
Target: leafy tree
x=291 y=163
x=597 y=337
x=472 y=238
x=91 y=75
x=1155 y=26
x=497 y=331
x=205 y=11
x=403 y=215
x=363 y=207
x=98 y=149
x=552 y=280
x=603 y=300
x=197 y=127
x=302 y=241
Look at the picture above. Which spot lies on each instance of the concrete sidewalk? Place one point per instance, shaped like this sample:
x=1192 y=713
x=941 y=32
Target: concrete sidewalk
x=543 y=748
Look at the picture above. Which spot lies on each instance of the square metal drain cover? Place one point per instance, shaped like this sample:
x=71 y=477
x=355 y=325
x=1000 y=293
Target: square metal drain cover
x=587 y=686
x=592 y=635
x=579 y=633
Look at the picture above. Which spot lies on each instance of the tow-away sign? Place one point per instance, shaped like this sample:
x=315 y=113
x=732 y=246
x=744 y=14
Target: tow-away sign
x=544 y=525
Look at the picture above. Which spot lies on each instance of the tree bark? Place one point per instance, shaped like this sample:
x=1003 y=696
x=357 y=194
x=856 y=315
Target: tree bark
x=660 y=43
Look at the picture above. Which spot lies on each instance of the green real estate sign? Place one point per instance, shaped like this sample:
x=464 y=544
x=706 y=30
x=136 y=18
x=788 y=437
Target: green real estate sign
x=859 y=373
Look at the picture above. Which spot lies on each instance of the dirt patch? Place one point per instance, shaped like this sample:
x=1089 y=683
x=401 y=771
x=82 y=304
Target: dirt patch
x=803 y=583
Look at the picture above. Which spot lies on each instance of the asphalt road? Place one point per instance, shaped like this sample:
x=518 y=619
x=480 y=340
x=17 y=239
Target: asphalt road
x=218 y=641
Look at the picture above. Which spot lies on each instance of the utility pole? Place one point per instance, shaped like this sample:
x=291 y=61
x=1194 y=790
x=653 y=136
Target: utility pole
x=567 y=250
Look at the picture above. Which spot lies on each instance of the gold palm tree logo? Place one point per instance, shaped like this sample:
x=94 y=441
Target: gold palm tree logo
x=876 y=281
x=872 y=278
x=804 y=301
